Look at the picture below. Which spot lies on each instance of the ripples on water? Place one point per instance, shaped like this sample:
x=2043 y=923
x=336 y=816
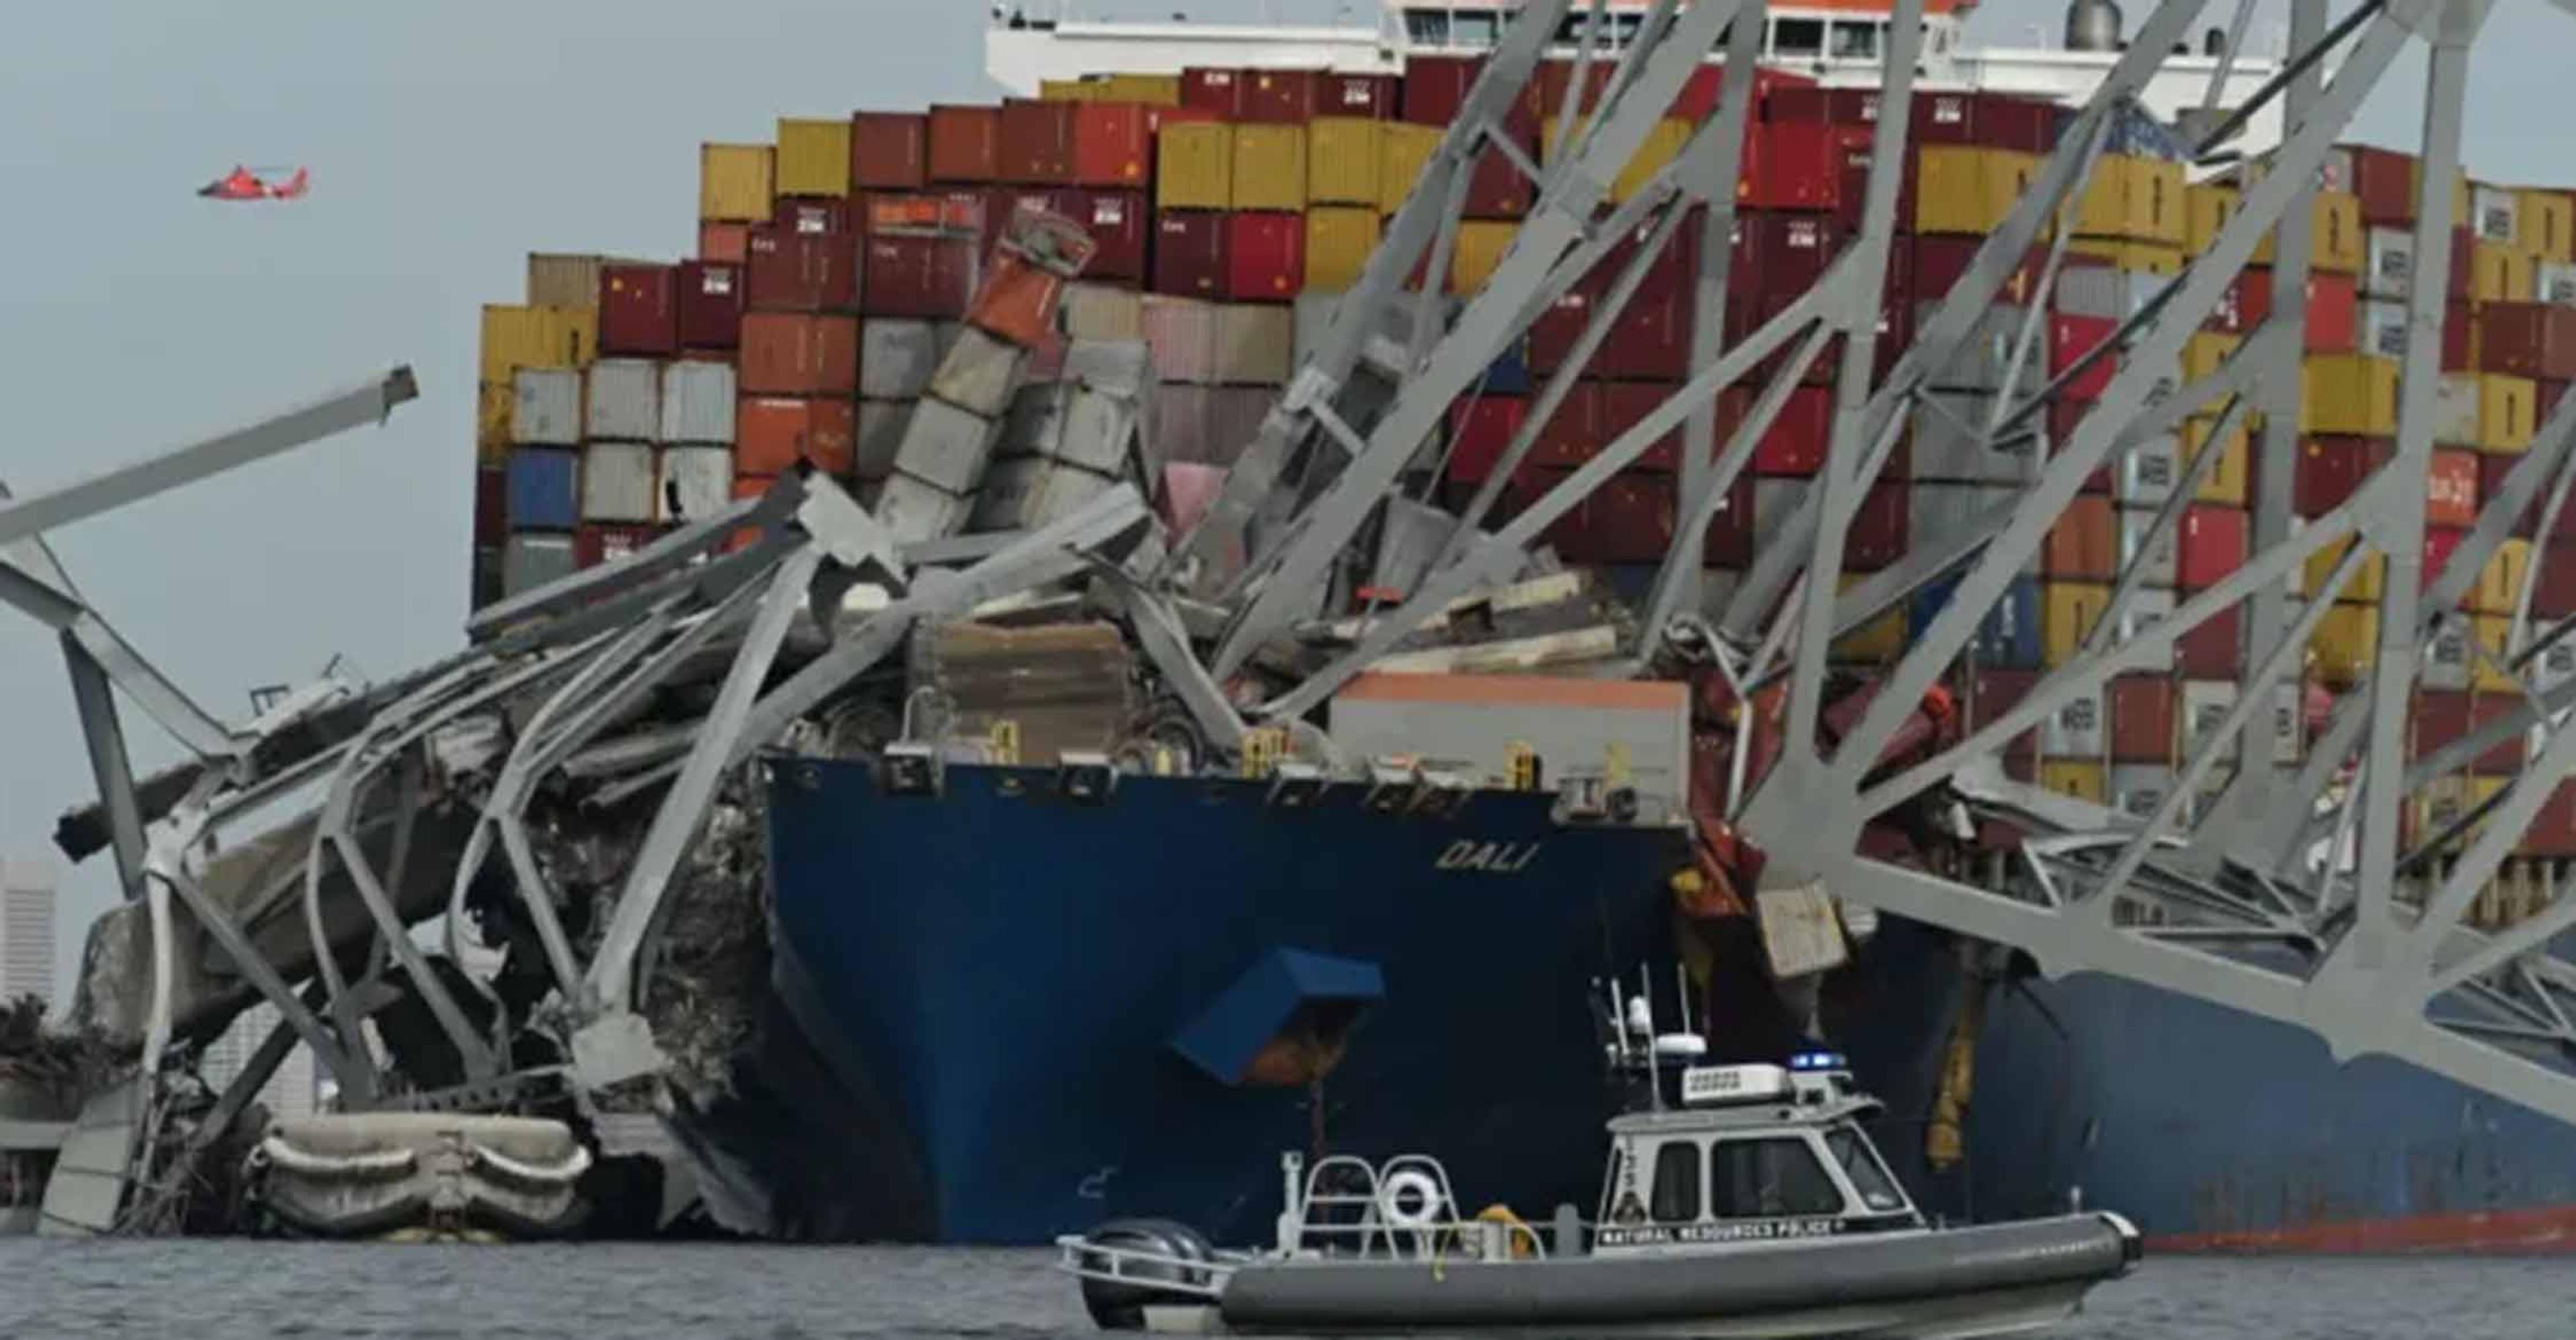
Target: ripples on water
x=238 y=1290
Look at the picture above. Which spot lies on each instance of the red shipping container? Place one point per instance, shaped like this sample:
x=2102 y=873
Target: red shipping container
x=2084 y=545
x=1570 y=534
x=2385 y=182
x=2215 y=650
x=1702 y=91
x=2009 y=121
x=1483 y=429
x=491 y=507
x=2072 y=337
x=639 y=309
x=1573 y=434
x=958 y=213
x=1265 y=256
x=2142 y=709
x=1435 y=91
x=1783 y=253
x=728 y=242
x=928 y=277
x=2528 y=339
x=594 y=545
x=815 y=214
x=802 y=272
x=2334 y=309
x=2492 y=473
x=2459 y=337
x=2451 y=488
x=1791 y=165
x=1624 y=405
x=1795 y=447
x=711 y=297
x=1213 y=90
x=1371 y=96
x=1189 y=253
x=1729 y=543
x=889 y=151
x=2213 y=545
x=1946 y=118
x=965 y=144
x=1877 y=537
x=1676 y=266
x=772 y=433
x=1498 y=189
x=1037 y=142
x=1650 y=340
x=2332 y=469
x=1941 y=262
x=1282 y=97
x=1854 y=148
x=1434 y=88
x=1631 y=519
x=2439 y=544
x=1119 y=223
x=1113 y=144
x=2553 y=833
x=1993 y=693
x=2553 y=593
x=1017 y=301
x=794 y=353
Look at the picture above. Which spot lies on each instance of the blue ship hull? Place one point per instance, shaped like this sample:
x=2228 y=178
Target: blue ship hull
x=999 y=981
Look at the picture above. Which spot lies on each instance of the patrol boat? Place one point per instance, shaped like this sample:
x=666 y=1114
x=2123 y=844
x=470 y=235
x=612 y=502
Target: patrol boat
x=1738 y=1201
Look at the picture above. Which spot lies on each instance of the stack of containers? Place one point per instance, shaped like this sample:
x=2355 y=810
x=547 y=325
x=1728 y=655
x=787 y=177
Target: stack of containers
x=923 y=183
x=797 y=362
x=528 y=432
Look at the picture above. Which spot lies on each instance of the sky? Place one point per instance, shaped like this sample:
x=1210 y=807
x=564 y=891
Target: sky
x=446 y=141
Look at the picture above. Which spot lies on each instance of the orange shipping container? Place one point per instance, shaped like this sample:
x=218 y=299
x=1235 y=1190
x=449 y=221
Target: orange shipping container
x=773 y=433
x=965 y=144
x=729 y=243
x=1113 y=144
x=794 y=353
x=2451 y=488
x=1018 y=301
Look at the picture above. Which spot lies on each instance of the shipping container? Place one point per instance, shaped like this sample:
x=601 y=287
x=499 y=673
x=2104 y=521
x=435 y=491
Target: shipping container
x=801 y=272
x=2214 y=544
x=1969 y=190
x=1189 y=253
x=2076 y=730
x=2345 y=644
x=556 y=279
x=1113 y=146
x=914 y=276
x=545 y=489
x=2545 y=224
x=2083 y=545
x=2349 y=395
x=1404 y=151
x=794 y=353
x=639 y=311
x=495 y=403
x=736 y=182
x=491 y=506
x=530 y=561
x=1017 y=302
x=2139 y=199
x=2389 y=264
x=813 y=156
x=2451 y=488
x=2499 y=586
x=1265 y=256
x=2526 y=339
x=2508 y=413
x=1255 y=344
x=2156 y=556
x=2146 y=476
x=709 y=298
x=773 y=433
x=817 y=214
x=624 y=401
x=2007 y=636
x=1479 y=250
x=897 y=356
x=2068 y=611
x=729 y=243
x=1282 y=97
x=878 y=428
x=697 y=403
x=2554 y=282
x=2227 y=483
x=545 y=408
x=2143 y=712
x=1194 y=166
x=1339 y=243
x=889 y=151
x=1093 y=311
x=1034 y=143
x=1342 y=161
x=1181 y=337
x=1270 y=168
x=2502 y=273
x=980 y=375
x=536 y=337
x=965 y=144
x=617 y=483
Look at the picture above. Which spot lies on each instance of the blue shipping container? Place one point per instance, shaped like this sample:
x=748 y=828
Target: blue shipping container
x=1509 y=374
x=2007 y=638
x=545 y=489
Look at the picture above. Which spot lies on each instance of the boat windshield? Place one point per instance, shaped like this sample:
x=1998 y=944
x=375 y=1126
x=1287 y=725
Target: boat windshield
x=1861 y=1163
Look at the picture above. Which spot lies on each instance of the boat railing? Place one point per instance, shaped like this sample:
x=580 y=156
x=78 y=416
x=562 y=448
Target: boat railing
x=1404 y=1208
x=1144 y=1267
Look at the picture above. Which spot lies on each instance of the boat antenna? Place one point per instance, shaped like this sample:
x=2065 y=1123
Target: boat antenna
x=1654 y=1059
x=1618 y=1020
x=1681 y=992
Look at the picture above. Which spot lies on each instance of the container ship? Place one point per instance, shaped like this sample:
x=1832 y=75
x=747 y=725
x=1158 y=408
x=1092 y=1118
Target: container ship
x=1005 y=1012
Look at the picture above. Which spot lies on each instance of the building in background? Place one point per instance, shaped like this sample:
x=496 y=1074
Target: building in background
x=26 y=930
x=290 y=1093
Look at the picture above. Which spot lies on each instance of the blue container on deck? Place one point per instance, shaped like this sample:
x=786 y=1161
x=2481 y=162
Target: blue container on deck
x=1509 y=374
x=545 y=489
x=2007 y=638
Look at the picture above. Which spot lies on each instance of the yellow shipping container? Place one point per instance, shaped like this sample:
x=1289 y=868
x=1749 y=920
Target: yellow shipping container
x=1062 y=90
x=1969 y=190
x=2228 y=482
x=2494 y=633
x=1270 y=167
x=2352 y=394
x=2153 y=258
x=737 y=183
x=2068 y=611
x=2205 y=351
x=536 y=337
x=1342 y=154
x=1878 y=642
x=2341 y=244
x=1481 y=246
x=2139 y=199
x=1338 y=243
x=2365 y=584
x=2499 y=587
x=2500 y=272
x=2206 y=210
x=1194 y=166
x=2547 y=226
x=492 y=411
x=1404 y=150
x=2345 y=644
x=813 y=156
x=1153 y=90
x=1663 y=144
x=2508 y=414
x=2081 y=778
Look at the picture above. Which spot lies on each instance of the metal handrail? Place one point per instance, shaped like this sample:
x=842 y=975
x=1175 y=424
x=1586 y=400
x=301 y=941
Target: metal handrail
x=1077 y=1256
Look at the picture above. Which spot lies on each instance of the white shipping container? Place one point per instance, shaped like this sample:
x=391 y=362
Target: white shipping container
x=1031 y=491
x=2497 y=214
x=2383 y=329
x=980 y=375
x=2289 y=724
x=533 y=560
x=1103 y=312
x=2105 y=294
x=2447 y=658
x=2077 y=729
x=697 y=481
x=2455 y=410
x=2205 y=705
x=946 y=447
x=1256 y=345
x=2160 y=555
x=698 y=402
x=914 y=511
x=546 y=408
x=1178 y=416
x=620 y=484
x=897 y=357
x=1099 y=431
x=625 y=399
x=2146 y=608
x=2554 y=282
x=2147 y=475
x=880 y=428
x=1035 y=422
x=2390 y=267
x=2138 y=788
x=1181 y=334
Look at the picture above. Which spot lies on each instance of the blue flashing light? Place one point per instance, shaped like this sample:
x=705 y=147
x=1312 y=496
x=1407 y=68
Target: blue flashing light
x=1817 y=1061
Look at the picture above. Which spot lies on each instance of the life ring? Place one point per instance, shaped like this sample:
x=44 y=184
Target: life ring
x=1416 y=1186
